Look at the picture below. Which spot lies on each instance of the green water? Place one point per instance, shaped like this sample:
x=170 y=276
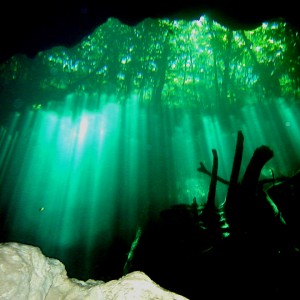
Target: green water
x=79 y=174
x=79 y=181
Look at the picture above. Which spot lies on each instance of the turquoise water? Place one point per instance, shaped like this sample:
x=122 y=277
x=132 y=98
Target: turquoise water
x=85 y=162
x=78 y=181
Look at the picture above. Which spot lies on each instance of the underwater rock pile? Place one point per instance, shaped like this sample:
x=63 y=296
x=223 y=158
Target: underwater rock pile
x=27 y=274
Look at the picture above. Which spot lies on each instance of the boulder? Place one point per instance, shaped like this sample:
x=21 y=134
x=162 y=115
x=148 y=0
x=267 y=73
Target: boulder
x=27 y=274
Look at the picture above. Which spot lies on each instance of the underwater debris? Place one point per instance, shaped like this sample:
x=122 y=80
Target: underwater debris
x=246 y=235
x=131 y=252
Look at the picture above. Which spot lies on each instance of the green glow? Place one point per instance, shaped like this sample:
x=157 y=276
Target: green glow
x=79 y=179
x=139 y=111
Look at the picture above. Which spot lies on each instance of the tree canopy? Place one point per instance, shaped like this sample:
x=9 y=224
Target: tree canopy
x=192 y=64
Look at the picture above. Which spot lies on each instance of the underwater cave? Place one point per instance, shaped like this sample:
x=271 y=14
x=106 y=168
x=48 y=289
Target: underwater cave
x=101 y=141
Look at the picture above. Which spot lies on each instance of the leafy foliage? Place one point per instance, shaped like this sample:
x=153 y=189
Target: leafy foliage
x=194 y=64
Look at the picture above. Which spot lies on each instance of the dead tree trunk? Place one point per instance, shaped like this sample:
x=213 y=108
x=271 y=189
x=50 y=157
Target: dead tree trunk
x=213 y=182
x=235 y=172
x=233 y=196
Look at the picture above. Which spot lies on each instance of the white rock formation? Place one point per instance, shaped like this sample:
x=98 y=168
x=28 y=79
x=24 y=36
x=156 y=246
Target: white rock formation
x=26 y=274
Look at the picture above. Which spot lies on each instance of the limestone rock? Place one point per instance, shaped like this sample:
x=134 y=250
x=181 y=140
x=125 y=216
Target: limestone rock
x=27 y=274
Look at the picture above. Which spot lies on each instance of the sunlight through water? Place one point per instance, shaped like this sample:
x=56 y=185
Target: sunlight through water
x=74 y=175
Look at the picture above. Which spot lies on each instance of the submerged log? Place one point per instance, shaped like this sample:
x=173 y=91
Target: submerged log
x=211 y=217
x=246 y=199
x=258 y=225
x=255 y=221
x=233 y=187
x=286 y=195
x=187 y=245
x=213 y=181
x=233 y=197
x=250 y=181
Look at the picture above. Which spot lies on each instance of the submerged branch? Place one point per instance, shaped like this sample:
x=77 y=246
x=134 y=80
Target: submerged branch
x=213 y=180
x=203 y=169
x=233 y=189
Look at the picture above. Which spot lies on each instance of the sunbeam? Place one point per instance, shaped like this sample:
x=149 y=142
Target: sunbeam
x=76 y=181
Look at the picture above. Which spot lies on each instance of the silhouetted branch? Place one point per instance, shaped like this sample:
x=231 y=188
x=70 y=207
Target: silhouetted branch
x=233 y=184
x=250 y=180
x=203 y=169
x=213 y=181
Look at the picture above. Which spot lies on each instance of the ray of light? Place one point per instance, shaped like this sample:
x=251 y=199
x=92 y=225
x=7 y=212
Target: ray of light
x=79 y=173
